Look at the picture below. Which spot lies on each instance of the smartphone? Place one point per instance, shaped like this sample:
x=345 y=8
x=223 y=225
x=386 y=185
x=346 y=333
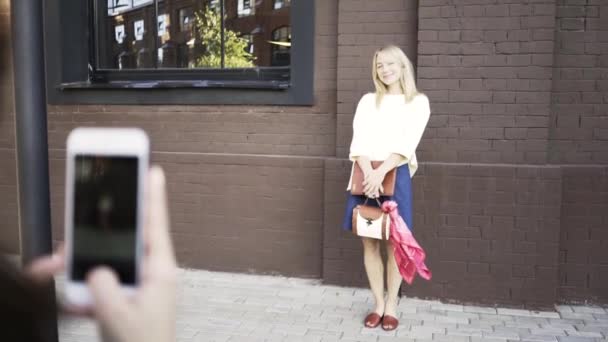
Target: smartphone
x=106 y=170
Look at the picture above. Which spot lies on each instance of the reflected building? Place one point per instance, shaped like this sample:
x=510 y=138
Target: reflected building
x=133 y=37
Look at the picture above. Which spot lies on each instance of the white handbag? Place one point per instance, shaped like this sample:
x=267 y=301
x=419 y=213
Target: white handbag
x=371 y=222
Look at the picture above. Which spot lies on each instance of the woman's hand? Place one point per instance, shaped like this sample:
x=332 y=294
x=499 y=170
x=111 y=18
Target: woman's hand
x=372 y=184
x=150 y=314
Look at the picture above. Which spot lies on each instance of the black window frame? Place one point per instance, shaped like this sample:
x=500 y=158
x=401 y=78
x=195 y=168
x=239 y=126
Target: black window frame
x=68 y=70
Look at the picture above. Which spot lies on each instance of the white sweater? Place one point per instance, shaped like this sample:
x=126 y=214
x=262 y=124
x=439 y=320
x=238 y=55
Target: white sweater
x=395 y=127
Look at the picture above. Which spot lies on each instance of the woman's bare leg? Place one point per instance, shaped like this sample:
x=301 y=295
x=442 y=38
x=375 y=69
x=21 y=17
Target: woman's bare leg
x=393 y=279
x=375 y=271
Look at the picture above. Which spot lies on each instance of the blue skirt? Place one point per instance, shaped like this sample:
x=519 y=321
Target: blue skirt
x=402 y=195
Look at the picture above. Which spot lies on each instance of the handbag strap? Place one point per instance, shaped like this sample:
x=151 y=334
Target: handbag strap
x=377 y=201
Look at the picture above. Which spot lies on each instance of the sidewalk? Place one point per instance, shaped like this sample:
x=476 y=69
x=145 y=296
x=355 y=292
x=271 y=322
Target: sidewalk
x=214 y=306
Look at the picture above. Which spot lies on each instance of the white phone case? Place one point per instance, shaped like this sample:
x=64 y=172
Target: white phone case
x=109 y=142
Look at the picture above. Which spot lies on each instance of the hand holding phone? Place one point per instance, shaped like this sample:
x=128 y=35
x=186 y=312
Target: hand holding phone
x=106 y=172
x=150 y=314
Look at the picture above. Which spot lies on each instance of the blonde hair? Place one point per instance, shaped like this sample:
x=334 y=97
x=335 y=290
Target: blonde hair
x=406 y=81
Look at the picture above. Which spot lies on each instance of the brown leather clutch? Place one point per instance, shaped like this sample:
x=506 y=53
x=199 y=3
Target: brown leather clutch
x=356 y=187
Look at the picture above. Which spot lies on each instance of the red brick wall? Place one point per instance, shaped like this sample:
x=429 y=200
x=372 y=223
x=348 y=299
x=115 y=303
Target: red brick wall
x=579 y=135
x=9 y=228
x=259 y=214
x=494 y=229
x=363 y=27
x=517 y=91
x=236 y=173
x=491 y=233
x=579 y=124
x=487 y=70
x=583 y=254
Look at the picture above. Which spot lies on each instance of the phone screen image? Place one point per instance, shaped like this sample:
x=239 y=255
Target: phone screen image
x=105 y=216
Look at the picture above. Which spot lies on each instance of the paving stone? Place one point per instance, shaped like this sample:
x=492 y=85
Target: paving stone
x=466 y=331
x=490 y=339
x=539 y=338
x=549 y=331
x=588 y=309
x=564 y=308
x=577 y=315
x=450 y=338
x=501 y=335
x=421 y=332
x=585 y=334
x=395 y=339
x=601 y=317
x=225 y=307
x=575 y=339
x=514 y=312
x=545 y=314
x=448 y=307
x=480 y=309
x=522 y=324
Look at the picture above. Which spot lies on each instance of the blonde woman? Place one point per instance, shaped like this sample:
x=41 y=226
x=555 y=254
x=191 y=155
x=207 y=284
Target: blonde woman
x=387 y=126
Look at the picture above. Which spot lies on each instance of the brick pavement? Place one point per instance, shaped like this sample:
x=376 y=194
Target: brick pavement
x=215 y=306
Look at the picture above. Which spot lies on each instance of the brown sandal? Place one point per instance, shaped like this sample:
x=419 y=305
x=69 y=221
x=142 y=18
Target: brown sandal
x=372 y=320
x=389 y=323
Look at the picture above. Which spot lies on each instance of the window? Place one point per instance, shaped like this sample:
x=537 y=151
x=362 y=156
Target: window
x=249 y=39
x=186 y=19
x=205 y=39
x=281 y=46
x=244 y=8
x=181 y=44
x=278 y=4
x=117 y=6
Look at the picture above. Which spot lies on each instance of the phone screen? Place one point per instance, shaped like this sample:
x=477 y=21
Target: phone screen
x=105 y=216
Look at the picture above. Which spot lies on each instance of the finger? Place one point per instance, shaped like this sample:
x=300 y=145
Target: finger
x=110 y=303
x=44 y=268
x=157 y=224
x=366 y=187
x=73 y=310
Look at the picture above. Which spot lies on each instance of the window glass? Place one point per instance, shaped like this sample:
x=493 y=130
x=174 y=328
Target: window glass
x=192 y=34
x=281 y=46
x=278 y=4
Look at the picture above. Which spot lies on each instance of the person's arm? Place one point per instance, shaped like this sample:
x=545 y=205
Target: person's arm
x=359 y=146
x=372 y=185
x=402 y=146
x=390 y=163
x=365 y=164
x=413 y=125
x=148 y=316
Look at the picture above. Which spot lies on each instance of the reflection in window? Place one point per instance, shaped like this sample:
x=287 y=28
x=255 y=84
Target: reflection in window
x=117 y=6
x=138 y=28
x=249 y=39
x=245 y=8
x=214 y=5
x=186 y=19
x=281 y=46
x=231 y=54
x=163 y=23
x=189 y=33
x=119 y=33
x=281 y=3
x=142 y=2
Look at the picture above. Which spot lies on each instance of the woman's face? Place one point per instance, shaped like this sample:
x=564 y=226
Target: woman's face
x=389 y=68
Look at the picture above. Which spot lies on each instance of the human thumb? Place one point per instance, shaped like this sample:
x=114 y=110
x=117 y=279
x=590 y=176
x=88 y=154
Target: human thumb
x=110 y=304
